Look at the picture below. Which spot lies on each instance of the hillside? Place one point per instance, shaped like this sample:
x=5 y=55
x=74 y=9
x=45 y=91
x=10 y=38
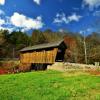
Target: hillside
x=50 y=85
x=12 y=43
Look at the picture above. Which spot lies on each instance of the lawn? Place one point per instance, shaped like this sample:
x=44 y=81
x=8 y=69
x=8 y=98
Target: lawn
x=50 y=85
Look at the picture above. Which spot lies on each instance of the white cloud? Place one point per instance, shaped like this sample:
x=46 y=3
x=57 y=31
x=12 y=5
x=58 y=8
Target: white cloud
x=81 y=32
x=37 y=2
x=2 y=12
x=6 y=28
x=87 y=30
x=91 y=3
x=61 y=30
x=5 y=24
x=20 y=20
x=74 y=17
x=96 y=13
x=2 y=22
x=61 y=18
x=2 y=2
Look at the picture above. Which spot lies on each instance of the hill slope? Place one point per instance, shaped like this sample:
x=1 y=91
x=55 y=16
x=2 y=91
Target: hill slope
x=50 y=85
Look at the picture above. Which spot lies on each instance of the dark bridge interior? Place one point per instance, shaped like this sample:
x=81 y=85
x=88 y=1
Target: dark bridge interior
x=61 y=52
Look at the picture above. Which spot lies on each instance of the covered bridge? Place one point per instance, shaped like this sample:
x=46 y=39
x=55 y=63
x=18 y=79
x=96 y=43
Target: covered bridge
x=43 y=54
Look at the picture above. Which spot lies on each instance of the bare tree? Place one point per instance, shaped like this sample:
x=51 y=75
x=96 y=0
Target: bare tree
x=85 y=47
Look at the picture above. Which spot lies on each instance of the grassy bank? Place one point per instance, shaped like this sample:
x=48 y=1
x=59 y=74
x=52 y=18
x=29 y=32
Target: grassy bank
x=50 y=85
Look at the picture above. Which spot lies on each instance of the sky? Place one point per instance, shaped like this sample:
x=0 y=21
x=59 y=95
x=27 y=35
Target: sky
x=58 y=15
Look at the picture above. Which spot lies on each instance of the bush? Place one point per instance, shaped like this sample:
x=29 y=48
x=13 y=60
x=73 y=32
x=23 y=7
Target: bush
x=9 y=65
x=24 y=67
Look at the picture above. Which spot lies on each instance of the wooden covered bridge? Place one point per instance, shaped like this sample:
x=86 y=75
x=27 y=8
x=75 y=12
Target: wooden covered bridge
x=39 y=56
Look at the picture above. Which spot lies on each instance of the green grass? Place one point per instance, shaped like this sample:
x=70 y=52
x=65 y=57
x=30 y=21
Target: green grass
x=50 y=85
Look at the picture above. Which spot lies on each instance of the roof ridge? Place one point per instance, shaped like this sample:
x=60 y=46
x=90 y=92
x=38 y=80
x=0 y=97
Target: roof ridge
x=42 y=46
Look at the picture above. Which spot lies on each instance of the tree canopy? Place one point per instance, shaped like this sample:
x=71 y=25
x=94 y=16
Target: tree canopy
x=11 y=43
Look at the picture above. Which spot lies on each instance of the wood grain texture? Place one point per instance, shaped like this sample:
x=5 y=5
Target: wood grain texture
x=43 y=56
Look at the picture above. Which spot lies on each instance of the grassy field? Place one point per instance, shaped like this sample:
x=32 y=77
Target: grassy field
x=50 y=85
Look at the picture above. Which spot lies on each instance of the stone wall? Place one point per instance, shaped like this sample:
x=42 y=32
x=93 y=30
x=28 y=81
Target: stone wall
x=72 y=66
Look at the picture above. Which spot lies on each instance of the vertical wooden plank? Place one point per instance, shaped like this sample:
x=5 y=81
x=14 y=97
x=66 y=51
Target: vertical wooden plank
x=36 y=57
x=33 y=57
x=39 y=57
x=44 y=56
x=54 y=54
x=25 y=57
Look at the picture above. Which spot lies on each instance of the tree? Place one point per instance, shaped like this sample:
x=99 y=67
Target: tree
x=3 y=36
x=93 y=43
x=51 y=36
x=38 y=37
x=71 y=52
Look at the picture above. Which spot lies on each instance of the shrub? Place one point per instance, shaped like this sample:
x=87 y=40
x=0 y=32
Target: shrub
x=24 y=67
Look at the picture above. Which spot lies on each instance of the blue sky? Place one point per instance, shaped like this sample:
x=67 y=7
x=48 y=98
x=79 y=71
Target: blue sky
x=73 y=15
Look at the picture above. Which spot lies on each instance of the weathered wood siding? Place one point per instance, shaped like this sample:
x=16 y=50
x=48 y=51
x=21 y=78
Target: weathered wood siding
x=43 y=56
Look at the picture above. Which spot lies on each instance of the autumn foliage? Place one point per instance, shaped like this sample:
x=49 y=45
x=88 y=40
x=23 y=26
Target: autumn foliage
x=11 y=43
